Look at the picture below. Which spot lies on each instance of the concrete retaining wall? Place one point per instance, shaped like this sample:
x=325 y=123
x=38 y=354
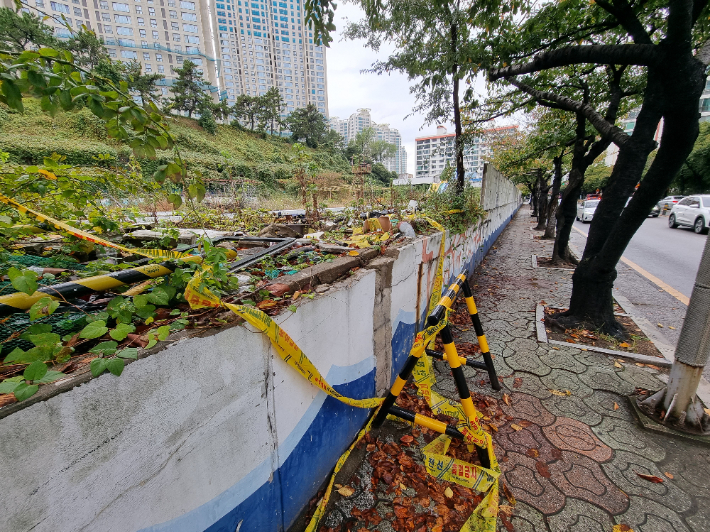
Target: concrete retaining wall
x=217 y=433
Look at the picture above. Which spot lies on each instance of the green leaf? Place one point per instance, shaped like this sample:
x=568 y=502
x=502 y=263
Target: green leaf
x=48 y=52
x=115 y=366
x=35 y=371
x=128 y=352
x=37 y=328
x=163 y=332
x=98 y=366
x=197 y=191
x=8 y=387
x=161 y=295
x=24 y=391
x=14 y=356
x=44 y=307
x=52 y=376
x=151 y=343
x=45 y=339
x=23 y=281
x=176 y=200
x=121 y=331
x=95 y=329
x=140 y=300
x=293 y=308
x=146 y=312
x=104 y=348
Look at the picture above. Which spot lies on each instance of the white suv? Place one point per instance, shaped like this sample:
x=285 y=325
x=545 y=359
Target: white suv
x=693 y=211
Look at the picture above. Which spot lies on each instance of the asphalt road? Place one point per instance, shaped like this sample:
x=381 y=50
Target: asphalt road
x=672 y=255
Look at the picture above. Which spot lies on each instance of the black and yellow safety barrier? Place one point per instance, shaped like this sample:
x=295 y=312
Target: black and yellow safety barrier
x=445 y=304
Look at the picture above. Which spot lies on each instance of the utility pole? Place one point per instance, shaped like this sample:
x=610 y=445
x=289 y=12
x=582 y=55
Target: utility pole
x=677 y=404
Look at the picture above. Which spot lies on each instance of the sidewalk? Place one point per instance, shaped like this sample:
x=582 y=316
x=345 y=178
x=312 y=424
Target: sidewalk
x=570 y=461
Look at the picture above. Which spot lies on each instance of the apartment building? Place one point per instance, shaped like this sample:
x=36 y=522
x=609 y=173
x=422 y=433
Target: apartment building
x=161 y=34
x=242 y=47
x=435 y=152
x=361 y=119
x=265 y=43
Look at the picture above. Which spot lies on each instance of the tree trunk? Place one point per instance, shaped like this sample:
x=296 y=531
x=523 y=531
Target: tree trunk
x=555 y=192
x=542 y=201
x=673 y=92
x=534 y=197
x=458 y=145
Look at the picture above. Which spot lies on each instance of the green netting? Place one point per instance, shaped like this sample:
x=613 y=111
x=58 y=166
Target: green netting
x=6 y=287
x=62 y=323
x=45 y=262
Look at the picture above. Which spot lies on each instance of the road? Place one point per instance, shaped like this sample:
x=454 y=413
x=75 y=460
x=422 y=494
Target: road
x=672 y=255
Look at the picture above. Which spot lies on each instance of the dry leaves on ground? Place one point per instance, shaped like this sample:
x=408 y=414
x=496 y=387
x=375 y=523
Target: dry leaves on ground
x=650 y=478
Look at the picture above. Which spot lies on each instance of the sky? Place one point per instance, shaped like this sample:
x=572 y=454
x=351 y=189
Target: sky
x=387 y=96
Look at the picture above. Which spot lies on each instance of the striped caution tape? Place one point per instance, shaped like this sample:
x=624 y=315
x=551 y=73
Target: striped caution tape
x=150 y=253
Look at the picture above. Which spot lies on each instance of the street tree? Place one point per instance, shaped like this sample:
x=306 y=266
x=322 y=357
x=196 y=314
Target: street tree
x=436 y=47
x=309 y=124
x=23 y=30
x=669 y=44
x=188 y=93
x=246 y=109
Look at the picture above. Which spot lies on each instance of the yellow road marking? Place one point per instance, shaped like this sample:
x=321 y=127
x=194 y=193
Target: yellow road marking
x=655 y=280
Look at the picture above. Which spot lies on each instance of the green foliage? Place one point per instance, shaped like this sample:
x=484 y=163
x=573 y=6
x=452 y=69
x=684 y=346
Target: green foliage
x=207 y=121
x=454 y=210
x=187 y=90
x=309 y=124
x=21 y=31
x=694 y=175
x=382 y=175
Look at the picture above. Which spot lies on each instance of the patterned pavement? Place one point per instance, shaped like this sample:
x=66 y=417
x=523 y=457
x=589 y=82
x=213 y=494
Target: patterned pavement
x=571 y=461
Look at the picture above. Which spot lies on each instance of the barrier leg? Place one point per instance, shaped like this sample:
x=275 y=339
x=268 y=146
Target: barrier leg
x=396 y=389
x=452 y=358
x=482 y=342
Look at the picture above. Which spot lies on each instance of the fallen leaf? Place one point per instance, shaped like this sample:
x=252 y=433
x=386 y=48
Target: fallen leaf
x=506 y=399
x=661 y=326
x=371 y=447
x=508 y=494
x=346 y=491
x=556 y=348
x=338 y=486
x=616 y=406
x=267 y=303
x=542 y=469
x=533 y=453
x=668 y=475
x=617 y=365
x=707 y=411
x=640 y=365
x=515 y=427
x=650 y=478
x=402 y=486
x=622 y=528
x=562 y=393
x=505 y=509
x=406 y=439
x=449 y=493
x=671 y=327
x=295 y=295
x=517 y=382
x=624 y=344
x=556 y=453
x=353 y=253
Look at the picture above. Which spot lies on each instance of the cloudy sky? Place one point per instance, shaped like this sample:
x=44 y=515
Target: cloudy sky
x=386 y=96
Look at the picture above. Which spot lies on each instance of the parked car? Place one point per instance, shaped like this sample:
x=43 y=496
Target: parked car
x=585 y=210
x=654 y=212
x=693 y=211
x=669 y=201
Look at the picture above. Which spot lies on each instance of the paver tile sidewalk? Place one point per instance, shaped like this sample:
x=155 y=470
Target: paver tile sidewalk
x=570 y=461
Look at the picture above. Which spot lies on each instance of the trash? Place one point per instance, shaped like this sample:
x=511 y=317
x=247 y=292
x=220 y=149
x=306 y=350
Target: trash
x=315 y=236
x=407 y=230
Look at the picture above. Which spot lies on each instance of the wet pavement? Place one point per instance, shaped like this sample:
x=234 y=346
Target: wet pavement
x=571 y=461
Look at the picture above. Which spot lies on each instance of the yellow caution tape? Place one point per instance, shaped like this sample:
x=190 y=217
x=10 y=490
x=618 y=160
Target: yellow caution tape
x=151 y=253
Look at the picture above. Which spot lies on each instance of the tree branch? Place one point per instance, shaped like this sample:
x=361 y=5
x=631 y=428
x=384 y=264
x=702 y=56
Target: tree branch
x=606 y=129
x=622 y=11
x=614 y=54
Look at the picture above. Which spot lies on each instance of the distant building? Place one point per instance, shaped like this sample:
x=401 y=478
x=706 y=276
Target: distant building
x=433 y=153
x=350 y=127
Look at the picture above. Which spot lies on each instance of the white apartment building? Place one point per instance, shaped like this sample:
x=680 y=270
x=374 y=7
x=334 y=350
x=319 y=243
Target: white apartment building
x=361 y=119
x=435 y=152
x=243 y=47
x=161 y=34
x=265 y=43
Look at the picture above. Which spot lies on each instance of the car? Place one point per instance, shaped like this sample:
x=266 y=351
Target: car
x=668 y=202
x=585 y=210
x=693 y=211
x=655 y=211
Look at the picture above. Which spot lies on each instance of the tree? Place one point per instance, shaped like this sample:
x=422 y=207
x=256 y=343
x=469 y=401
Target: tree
x=309 y=124
x=668 y=42
x=88 y=50
x=221 y=110
x=271 y=105
x=187 y=90
x=432 y=41
x=381 y=150
x=381 y=174
x=246 y=109
x=694 y=175
x=21 y=31
x=334 y=142
x=207 y=121
x=143 y=85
